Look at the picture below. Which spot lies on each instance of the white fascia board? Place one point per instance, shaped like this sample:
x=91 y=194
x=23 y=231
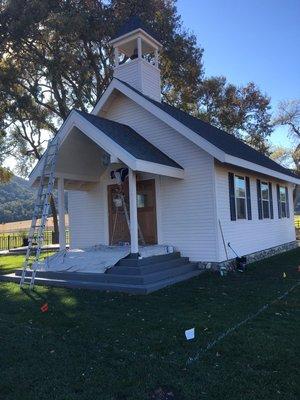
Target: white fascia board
x=134 y=34
x=258 y=168
x=159 y=169
x=162 y=115
x=103 y=99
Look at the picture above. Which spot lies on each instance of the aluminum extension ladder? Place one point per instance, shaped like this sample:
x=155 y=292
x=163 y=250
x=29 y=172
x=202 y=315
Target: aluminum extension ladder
x=40 y=215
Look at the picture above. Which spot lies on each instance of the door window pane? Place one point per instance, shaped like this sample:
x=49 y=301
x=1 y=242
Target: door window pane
x=141 y=200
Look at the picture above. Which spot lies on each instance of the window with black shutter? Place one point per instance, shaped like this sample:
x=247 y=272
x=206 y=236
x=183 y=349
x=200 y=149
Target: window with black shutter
x=231 y=196
x=278 y=200
x=259 y=202
x=240 y=197
x=264 y=200
x=271 y=200
x=283 y=204
x=287 y=202
x=248 y=196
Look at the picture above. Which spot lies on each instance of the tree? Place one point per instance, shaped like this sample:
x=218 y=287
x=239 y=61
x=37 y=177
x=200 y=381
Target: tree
x=5 y=173
x=55 y=56
x=289 y=158
x=289 y=114
x=241 y=111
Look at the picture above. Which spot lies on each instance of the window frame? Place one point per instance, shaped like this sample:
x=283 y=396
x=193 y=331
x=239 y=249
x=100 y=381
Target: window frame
x=264 y=200
x=243 y=177
x=283 y=202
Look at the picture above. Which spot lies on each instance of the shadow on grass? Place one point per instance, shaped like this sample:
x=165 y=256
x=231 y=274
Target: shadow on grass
x=115 y=345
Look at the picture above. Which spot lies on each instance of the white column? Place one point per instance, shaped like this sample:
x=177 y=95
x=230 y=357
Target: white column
x=134 y=240
x=61 y=214
x=139 y=47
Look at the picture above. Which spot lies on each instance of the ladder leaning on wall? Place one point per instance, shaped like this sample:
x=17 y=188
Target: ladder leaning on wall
x=40 y=215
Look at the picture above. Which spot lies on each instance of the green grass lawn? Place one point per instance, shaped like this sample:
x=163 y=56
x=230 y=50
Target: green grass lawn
x=9 y=264
x=93 y=345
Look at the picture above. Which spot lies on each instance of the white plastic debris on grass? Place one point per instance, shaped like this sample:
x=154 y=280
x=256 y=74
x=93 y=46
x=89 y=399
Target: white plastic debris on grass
x=190 y=334
x=96 y=259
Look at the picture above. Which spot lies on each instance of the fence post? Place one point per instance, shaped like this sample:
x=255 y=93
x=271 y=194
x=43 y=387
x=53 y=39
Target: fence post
x=8 y=242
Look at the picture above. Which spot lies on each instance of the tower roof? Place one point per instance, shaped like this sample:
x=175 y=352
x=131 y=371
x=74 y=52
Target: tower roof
x=132 y=24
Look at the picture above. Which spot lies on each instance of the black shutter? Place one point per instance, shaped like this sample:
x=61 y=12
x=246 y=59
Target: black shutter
x=259 y=203
x=278 y=201
x=231 y=196
x=287 y=202
x=271 y=200
x=248 y=197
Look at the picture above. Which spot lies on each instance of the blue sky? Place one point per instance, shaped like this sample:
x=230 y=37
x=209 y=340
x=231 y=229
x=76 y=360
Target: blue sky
x=246 y=41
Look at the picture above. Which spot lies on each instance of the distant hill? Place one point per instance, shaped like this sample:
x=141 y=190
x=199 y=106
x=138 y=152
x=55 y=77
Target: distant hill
x=16 y=200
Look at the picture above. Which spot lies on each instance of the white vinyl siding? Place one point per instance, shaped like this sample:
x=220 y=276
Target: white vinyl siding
x=248 y=236
x=86 y=217
x=185 y=207
x=141 y=75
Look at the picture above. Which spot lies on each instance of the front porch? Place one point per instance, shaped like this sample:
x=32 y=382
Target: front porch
x=112 y=176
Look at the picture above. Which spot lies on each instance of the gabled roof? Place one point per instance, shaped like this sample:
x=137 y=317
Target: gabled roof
x=120 y=141
x=132 y=24
x=130 y=140
x=224 y=141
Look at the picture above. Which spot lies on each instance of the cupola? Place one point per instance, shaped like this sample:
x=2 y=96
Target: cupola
x=137 y=58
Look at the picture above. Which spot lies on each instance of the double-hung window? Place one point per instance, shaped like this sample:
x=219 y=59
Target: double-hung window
x=283 y=201
x=240 y=197
x=265 y=198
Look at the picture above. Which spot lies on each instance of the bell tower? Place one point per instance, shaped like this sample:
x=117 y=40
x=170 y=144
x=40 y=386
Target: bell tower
x=137 y=58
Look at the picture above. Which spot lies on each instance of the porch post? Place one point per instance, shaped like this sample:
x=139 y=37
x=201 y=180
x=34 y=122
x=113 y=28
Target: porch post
x=61 y=214
x=134 y=241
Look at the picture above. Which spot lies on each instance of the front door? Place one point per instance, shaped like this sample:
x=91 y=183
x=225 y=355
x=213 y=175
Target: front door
x=146 y=210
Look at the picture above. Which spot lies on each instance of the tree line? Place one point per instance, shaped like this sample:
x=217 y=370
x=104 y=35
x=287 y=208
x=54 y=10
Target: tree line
x=55 y=56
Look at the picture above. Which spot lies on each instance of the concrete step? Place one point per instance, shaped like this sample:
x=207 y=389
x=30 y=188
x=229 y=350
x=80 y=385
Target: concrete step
x=150 y=278
x=114 y=287
x=147 y=269
x=132 y=262
x=115 y=278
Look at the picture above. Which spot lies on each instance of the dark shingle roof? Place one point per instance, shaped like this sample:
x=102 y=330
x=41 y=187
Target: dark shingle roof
x=129 y=140
x=132 y=24
x=219 y=138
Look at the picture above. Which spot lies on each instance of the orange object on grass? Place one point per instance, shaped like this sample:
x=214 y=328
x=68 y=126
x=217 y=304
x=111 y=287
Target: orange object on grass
x=44 y=307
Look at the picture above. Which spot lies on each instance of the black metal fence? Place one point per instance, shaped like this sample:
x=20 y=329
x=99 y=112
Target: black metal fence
x=11 y=240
